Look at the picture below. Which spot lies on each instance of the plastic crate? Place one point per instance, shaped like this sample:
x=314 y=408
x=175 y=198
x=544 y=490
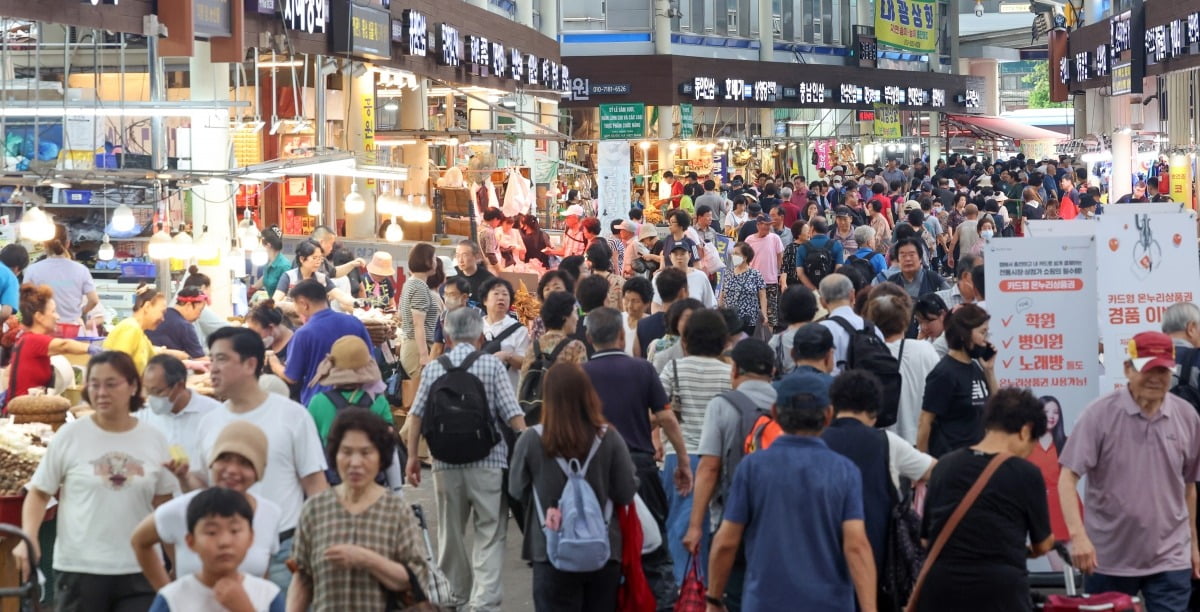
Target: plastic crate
x=138 y=269
x=77 y=196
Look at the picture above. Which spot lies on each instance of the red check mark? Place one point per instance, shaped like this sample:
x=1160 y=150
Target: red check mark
x=1007 y=321
x=1008 y=362
x=1008 y=342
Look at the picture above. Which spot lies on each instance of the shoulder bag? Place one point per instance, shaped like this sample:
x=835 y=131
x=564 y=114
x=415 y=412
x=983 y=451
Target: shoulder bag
x=959 y=512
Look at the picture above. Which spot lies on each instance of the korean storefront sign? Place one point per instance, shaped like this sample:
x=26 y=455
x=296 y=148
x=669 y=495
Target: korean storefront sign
x=887 y=121
x=622 y=121
x=360 y=30
x=212 y=18
x=907 y=24
x=1127 y=49
x=1148 y=261
x=687 y=122
x=368 y=119
x=1180 y=182
x=305 y=15
x=1036 y=288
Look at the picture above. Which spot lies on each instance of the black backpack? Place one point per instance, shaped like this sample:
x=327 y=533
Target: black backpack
x=363 y=401
x=458 y=423
x=818 y=261
x=868 y=352
x=862 y=266
x=529 y=395
x=1183 y=385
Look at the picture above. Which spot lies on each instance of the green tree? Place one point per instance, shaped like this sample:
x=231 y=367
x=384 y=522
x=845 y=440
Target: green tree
x=1039 y=95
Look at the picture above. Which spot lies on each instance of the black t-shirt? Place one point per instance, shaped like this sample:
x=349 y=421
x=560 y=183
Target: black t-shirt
x=629 y=390
x=649 y=329
x=955 y=392
x=982 y=567
x=475 y=281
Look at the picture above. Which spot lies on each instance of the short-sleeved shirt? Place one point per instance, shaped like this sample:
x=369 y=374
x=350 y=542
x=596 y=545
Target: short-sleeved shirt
x=70 y=281
x=475 y=280
x=129 y=338
x=30 y=365
x=722 y=436
x=416 y=296
x=274 y=270
x=387 y=527
x=818 y=242
x=291 y=278
x=170 y=521
x=293 y=450
x=695 y=380
x=668 y=244
x=629 y=390
x=188 y=593
x=106 y=483
x=1130 y=459
x=177 y=334
x=651 y=328
x=183 y=428
x=955 y=392
x=516 y=343
x=740 y=292
x=323 y=410
x=311 y=343
x=793 y=499
x=502 y=400
x=841 y=338
x=767 y=251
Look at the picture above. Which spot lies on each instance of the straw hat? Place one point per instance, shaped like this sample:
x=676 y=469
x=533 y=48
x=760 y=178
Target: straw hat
x=349 y=363
x=647 y=230
x=381 y=264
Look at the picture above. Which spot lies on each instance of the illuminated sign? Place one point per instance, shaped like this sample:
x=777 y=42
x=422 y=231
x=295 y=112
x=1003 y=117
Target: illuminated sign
x=866 y=115
x=531 y=70
x=1083 y=66
x=448 y=45
x=212 y=18
x=305 y=15
x=416 y=33
x=1122 y=79
x=810 y=93
x=361 y=31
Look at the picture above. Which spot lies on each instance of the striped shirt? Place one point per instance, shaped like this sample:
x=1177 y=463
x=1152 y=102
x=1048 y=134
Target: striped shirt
x=416 y=296
x=501 y=399
x=700 y=379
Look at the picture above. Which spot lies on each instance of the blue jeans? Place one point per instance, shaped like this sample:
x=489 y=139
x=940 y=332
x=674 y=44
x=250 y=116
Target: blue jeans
x=1161 y=592
x=277 y=571
x=679 y=513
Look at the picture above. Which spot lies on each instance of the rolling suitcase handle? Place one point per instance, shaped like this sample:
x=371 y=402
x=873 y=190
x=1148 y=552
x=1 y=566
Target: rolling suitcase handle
x=1069 y=575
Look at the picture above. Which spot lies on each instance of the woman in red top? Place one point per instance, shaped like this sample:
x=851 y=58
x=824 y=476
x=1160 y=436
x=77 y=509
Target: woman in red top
x=1045 y=457
x=30 y=365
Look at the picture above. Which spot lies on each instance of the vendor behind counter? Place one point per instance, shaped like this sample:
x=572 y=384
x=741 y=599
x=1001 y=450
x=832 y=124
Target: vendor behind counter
x=29 y=359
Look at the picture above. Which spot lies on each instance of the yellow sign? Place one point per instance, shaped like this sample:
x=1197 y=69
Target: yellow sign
x=907 y=24
x=368 y=119
x=887 y=121
x=1180 y=180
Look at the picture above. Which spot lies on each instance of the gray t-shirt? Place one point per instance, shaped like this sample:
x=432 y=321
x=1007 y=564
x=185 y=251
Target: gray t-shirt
x=722 y=436
x=69 y=280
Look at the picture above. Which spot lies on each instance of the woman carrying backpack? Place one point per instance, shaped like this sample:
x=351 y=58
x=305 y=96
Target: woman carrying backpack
x=354 y=375
x=556 y=345
x=573 y=430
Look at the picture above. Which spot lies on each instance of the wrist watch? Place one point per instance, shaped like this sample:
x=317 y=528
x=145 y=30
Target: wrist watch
x=716 y=601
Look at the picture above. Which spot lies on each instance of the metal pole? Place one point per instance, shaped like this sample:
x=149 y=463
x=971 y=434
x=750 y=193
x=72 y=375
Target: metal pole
x=158 y=150
x=330 y=212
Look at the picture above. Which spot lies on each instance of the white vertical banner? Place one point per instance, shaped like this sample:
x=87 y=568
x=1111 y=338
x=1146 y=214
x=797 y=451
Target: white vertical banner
x=1147 y=262
x=613 y=171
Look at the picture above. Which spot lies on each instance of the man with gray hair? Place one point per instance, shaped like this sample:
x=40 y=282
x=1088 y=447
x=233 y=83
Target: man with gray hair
x=963 y=290
x=469 y=495
x=630 y=391
x=837 y=296
x=1182 y=323
x=864 y=235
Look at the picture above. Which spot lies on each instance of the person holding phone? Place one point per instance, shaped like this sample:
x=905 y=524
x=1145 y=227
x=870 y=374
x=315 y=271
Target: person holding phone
x=952 y=416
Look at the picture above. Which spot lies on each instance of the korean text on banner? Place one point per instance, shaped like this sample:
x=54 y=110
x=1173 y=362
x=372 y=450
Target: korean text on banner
x=887 y=121
x=1147 y=262
x=613 y=171
x=622 y=121
x=1181 y=179
x=907 y=24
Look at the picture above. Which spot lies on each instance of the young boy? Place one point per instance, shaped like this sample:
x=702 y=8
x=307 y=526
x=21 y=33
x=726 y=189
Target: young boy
x=219 y=532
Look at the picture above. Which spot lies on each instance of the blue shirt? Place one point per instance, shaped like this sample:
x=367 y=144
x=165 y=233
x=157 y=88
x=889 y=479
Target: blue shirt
x=878 y=263
x=10 y=289
x=818 y=242
x=792 y=499
x=176 y=333
x=311 y=344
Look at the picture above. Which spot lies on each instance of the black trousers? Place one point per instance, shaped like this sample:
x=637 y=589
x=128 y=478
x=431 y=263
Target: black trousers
x=656 y=564
x=555 y=591
x=96 y=593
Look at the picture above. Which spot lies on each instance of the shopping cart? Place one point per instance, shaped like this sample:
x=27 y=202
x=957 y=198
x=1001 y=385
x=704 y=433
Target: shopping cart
x=27 y=592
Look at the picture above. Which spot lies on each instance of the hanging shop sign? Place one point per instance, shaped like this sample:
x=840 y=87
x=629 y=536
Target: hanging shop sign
x=361 y=31
x=1173 y=39
x=709 y=89
x=1127 y=49
x=1180 y=183
x=305 y=15
x=212 y=18
x=414 y=33
x=907 y=24
x=1058 y=46
x=622 y=121
x=582 y=89
x=687 y=122
x=1122 y=79
x=449 y=43
x=368 y=127
x=887 y=121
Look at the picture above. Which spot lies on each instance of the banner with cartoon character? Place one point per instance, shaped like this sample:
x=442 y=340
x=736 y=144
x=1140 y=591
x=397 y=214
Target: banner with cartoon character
x=1147 y=261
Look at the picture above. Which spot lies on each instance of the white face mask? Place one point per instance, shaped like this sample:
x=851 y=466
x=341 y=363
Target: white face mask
x=738 y=260
x=159 y=404
x=268 y=340
x=987 y=234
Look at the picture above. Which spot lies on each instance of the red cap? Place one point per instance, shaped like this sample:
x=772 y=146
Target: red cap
x=1152 y=349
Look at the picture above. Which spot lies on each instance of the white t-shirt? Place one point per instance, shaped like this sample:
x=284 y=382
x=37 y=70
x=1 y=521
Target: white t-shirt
x=916 y=363
x=106 y=484
x=188 y=594
x=630 y=333
x=516 y=343
x=170 y=520
x=904 y=458
x=293 y=450
x=183 y=428
x=698 y=289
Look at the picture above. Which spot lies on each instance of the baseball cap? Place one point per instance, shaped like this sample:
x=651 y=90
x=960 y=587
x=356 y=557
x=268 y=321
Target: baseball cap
x=680 y=246
x=573 y=210
x=912 y=205
x=753 y=356
x=843 y=211
x=1152 y=349
x=811 y=341
x=763 y=218
x=800 y=383
x=629 y=226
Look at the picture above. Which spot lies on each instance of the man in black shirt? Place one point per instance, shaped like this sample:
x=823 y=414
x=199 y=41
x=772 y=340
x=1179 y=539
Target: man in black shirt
x=467 y=257
x=672 y=287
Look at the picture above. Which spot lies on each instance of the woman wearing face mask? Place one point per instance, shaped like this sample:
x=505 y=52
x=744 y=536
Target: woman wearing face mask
x=952 y=416
x=987 y=231
x=268 y=321
x=309 y=261
x=237 y=461
x=129 y=336
x=744 y=290
x=30 y=365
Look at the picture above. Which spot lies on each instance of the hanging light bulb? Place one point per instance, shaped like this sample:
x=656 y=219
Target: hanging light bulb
x=422 y=213
x=394 y=233
x=237 y=261
x=258 y=256
x=36 y=225
x=106 y=251
x=314 y=207
x=391 y=106
x=161 y=245
x=247 y=231
x=122 y=219
x=206 y=247
x=406 y=208
x=385 y=204
x=185 y=247
x=354 y=203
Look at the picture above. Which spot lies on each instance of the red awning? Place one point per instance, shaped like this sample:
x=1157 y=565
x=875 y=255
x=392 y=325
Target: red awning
x=997 y=127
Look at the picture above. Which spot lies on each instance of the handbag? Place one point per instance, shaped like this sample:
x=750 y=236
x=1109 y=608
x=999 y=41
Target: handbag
x=676 y=401
x=955 y=518
x=691 y=594
x=634 y=594
x=651 y=535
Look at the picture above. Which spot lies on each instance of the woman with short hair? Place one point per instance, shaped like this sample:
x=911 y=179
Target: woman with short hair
x=952 y=417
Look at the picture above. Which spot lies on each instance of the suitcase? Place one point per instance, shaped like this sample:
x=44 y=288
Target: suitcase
x=1072 y=602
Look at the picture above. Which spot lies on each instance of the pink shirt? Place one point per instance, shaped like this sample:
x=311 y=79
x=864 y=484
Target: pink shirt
x=767 y=251
x=1137 y=468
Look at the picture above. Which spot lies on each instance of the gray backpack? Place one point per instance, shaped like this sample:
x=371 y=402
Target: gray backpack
x=580 y=544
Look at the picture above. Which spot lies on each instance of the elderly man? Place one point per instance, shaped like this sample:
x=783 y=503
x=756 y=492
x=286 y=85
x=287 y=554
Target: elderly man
x=837 y=297
x=843 y=233
x=916 y=279
x=1139 y=447
x=1182 y=323
x=963 y=291
x=864 y=236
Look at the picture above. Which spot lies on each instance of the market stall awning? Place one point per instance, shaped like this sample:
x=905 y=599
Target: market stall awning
x=998 y=127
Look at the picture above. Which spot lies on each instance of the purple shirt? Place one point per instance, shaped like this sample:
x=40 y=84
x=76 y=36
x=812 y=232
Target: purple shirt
x=1138 y=469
